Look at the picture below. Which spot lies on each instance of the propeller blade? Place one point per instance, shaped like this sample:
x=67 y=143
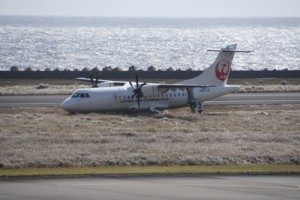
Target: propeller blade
x=97 y=79
x=131 y=84
x=138 y=98
x=137 y=81
x=92 y=81
x=133 y=95
x=137 y=92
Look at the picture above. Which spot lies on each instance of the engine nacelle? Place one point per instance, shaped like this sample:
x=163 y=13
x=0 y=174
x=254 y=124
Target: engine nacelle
x=152 y=90
x=111 y=84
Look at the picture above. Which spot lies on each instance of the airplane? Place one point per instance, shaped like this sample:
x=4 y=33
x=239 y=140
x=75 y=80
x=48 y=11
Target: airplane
x=119 y=96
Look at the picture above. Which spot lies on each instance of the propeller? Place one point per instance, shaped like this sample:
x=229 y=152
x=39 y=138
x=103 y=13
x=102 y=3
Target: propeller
x=137 y=90
x=95 y=83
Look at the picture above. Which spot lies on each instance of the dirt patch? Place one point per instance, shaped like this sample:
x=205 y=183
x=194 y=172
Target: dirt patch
x=50 y=137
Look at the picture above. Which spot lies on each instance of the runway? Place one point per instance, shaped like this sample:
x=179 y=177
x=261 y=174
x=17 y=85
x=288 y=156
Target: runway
x=230 y=99
x=131 y=188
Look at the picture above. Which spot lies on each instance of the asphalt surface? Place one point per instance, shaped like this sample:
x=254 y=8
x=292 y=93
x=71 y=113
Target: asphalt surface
x=230 y=99
x=130 y=188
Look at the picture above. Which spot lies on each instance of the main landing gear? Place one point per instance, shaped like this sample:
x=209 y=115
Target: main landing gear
x=196 y=106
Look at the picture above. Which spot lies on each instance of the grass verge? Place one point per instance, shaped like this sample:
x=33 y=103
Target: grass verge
x=154 y=170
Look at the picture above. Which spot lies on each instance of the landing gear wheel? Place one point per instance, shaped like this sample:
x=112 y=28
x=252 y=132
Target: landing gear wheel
x=200 y=107
x=193 y=106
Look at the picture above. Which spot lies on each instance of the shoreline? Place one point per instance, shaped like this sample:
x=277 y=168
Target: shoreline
x=130 y=74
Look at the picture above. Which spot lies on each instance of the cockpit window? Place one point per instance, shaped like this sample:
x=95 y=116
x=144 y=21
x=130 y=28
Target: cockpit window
x=75 y=95
x=80 y=95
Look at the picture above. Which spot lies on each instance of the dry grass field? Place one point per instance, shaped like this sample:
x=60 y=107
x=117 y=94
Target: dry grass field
x=50 y=137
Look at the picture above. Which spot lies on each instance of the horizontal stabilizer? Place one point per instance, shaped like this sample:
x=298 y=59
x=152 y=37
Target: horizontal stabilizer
x=235 y=51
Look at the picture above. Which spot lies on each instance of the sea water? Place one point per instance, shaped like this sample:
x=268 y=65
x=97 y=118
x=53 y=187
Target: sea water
x=79 y=42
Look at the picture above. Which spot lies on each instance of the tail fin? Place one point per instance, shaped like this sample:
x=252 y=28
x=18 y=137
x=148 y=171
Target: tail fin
x=218 y=72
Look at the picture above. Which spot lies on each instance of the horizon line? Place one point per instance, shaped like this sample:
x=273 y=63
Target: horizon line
x=152 y=17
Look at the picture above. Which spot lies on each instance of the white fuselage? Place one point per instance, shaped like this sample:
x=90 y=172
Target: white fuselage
x=110 y=96
x=106 y=99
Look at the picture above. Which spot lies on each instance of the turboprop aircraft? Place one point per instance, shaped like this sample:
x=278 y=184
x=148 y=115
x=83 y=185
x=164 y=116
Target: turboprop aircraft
x=107 y=96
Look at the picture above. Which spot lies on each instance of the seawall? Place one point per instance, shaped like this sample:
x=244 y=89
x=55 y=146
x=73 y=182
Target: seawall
x=142 y=74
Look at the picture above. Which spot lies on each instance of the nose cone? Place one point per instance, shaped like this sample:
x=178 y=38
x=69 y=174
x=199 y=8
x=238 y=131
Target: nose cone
x=66 y=105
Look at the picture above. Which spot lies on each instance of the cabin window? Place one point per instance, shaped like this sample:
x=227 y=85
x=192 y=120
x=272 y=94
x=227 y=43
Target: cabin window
x=179 y=94
x=170 y=94
x=82 y=95
x=174 y=94
x=87 y=95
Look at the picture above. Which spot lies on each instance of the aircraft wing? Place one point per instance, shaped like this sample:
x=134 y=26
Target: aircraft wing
x=89 y=80
x=180 y=86
x=100 y=80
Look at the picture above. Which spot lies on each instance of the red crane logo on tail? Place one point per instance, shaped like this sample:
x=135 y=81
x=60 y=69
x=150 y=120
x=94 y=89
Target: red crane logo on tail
x=222 y=70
